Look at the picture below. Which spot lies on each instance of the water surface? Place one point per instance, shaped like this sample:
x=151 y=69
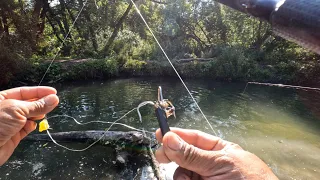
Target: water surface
x=281 y=126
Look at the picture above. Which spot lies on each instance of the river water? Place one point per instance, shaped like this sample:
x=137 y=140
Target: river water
x=281 y=126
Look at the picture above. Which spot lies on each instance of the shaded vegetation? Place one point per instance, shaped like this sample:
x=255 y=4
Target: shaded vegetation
x=112 y=35
x=232 y=64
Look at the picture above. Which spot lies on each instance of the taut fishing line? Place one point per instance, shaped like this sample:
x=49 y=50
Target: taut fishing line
x=175 y=70
x=62 y=43
x=105 y=122
x=137 y=108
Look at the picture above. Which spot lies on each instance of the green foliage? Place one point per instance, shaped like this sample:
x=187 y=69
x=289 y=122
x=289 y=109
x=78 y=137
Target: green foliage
x=134 y=67
x=287 y=71
x=8 y=66
x=70 y=70
x=233 y=63
x=156 y=68
x=113 y=42
x=92 y=69
x=192 y=70
x=134 y=64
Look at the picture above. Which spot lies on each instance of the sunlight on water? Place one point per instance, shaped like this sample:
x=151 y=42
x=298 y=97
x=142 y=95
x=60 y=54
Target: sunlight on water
x=281 y=126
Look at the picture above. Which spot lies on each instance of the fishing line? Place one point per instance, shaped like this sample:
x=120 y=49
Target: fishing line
x=283 y=86
x=102 y=122
x=112 y=123
x=62 y=43
x=175 y=70
x=140 y=105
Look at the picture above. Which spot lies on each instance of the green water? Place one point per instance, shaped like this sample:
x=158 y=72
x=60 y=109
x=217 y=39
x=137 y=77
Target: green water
x=281 y=126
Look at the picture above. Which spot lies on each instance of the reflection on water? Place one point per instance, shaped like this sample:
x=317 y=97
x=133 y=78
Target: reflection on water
x=282 y=126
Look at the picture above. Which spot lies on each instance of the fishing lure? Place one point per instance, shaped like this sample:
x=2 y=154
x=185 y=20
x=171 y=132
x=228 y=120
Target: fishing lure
x=163 y=109
x=44 y=125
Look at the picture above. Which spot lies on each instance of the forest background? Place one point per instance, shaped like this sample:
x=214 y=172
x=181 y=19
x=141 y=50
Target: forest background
x=203 y=38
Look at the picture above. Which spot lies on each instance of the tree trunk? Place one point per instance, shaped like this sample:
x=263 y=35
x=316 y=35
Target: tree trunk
x=1 y=27
x=56 y=19
x=64 y=17
x=73 y=20
x=221 y=25
x=38 y=17
x=185 y=28
x=54 y=29
x=116 y=30
x=37 y=9
x=42 y=23
x=91 y=31
x=5 y=23
x=204 y=33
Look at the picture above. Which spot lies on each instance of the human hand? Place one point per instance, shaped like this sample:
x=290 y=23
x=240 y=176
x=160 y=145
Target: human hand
x=203 y=156
x=19 y=107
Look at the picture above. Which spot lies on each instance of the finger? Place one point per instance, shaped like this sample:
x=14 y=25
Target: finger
x=185 y=174
x=6 y=151
x=16 y=139
x=26 y=93
x=28 y=128
x=42 y=106
x=161 y=156
x=189 y=156
x=159 y=135
x=182 y=174
x=197 y=138
x=37 y=117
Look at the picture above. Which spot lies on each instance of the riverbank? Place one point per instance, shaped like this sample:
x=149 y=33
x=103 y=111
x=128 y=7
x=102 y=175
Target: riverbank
x=214 y=69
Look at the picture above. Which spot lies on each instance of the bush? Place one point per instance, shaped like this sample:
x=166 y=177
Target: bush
x=92 y=69
x=192 y=70
x=134 y=67
x=156 y=68
x=286 y=71
x=233 y=64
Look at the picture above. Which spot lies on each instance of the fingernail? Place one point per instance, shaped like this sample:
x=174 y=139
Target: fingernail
x=175 y=143
x=50 y=100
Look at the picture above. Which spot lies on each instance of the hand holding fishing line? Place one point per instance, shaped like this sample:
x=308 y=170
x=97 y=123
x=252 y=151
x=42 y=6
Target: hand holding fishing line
x=203 y=156
x=19 y=108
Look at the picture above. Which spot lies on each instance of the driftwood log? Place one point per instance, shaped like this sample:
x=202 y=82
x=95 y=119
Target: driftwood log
x=132 y=137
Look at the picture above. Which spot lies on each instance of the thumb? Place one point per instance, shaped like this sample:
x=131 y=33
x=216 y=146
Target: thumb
x=189 y=156
x=42 y=106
